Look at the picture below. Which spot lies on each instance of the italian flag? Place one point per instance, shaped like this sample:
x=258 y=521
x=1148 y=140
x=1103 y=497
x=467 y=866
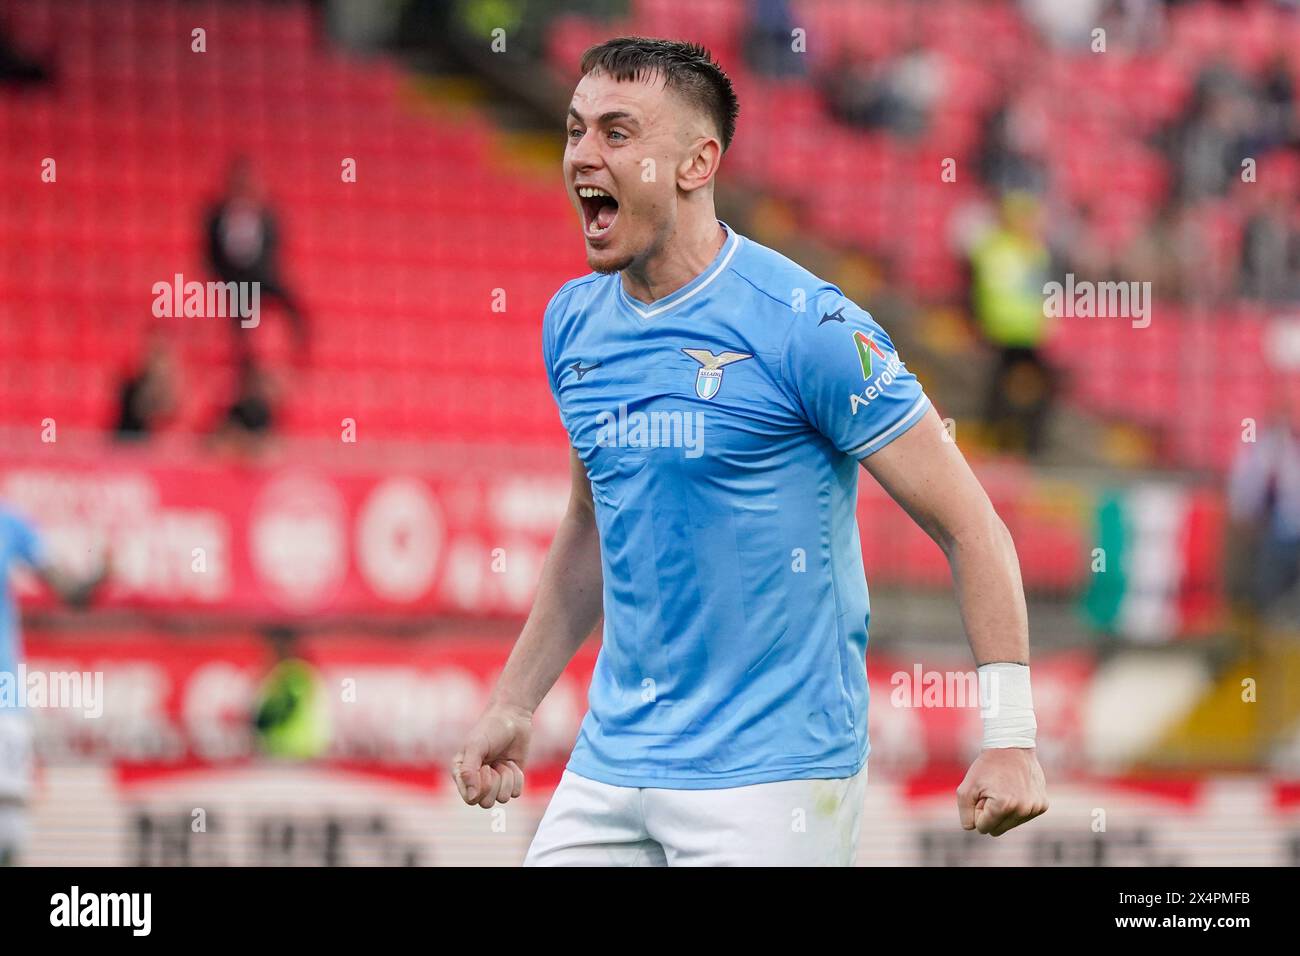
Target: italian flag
x=1154 y=567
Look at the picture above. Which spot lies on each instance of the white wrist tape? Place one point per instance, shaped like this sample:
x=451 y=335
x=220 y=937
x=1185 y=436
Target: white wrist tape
x=1006 y=705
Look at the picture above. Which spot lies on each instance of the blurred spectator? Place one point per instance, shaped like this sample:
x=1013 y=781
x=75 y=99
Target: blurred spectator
x=249 y=418
x=18 y=69
x=847 y=87
x=1264 y=505
x=1069 y=24
x=769 y=39
x=1270 y=248
x=1073 y=240
x=479 y=18
x=1155 y=254
x=1135 y=25
x=243 y=241
x=291 y=719
x=1064 y=23
x=147 y=398
x=1013 y=153
x=897 y=95
x=1277 y=124
x=1208 y=141
x=1009 y=268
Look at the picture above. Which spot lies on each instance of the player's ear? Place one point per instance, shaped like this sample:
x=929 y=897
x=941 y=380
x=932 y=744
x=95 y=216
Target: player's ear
x=700 y=165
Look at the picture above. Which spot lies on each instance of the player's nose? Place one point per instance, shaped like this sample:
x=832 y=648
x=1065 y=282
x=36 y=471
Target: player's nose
x=583 y=155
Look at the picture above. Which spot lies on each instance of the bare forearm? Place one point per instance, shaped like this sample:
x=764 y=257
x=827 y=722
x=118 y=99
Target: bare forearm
x=986 y=573
x=565 y=611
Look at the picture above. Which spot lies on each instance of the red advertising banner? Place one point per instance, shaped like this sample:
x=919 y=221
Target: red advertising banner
x=402 y=707
x=169 y=772
x=350 y=538
x=292 y=541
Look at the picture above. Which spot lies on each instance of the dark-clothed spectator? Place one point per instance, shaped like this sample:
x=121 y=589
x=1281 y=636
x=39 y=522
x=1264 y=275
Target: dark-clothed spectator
x=243 y=241
x=1270 y=247
x=898 y=95
x=252 y=409
x=769 y=40
x=147 y=398
x=1264 y=504
x=247 y=422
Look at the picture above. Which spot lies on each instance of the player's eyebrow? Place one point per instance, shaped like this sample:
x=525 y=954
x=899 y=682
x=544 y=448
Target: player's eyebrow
x=605 y=118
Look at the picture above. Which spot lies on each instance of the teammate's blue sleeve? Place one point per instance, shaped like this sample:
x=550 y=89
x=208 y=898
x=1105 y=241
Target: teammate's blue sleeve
x=21 y=540
x=848 y=378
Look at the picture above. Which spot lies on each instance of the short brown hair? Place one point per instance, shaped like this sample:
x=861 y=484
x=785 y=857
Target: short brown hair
x=687 y=68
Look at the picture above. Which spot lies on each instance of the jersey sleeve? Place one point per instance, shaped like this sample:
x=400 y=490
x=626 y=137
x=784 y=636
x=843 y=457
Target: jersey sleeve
x=550 y=322
x=21 y=540
x=548 y=345
x=848 y=377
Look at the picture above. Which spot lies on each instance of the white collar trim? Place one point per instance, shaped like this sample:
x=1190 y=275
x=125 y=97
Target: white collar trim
x=686 y=292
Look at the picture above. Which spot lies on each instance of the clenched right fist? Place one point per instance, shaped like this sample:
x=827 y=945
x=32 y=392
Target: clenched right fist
x=489 y=769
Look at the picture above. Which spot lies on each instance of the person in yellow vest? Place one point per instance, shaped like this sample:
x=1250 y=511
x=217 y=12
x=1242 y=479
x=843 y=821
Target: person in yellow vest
x=291 y=713
x=1009 y=268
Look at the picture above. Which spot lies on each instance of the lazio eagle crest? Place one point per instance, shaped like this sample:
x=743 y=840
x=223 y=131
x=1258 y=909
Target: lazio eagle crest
x=709 y=377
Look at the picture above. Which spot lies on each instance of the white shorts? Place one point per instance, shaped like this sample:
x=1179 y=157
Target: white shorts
x=15 y=754
x=786 y=823
x=13 y=833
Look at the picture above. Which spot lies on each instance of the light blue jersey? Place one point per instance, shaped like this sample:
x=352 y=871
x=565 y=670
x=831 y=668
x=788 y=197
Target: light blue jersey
x=721 y=428
x=18 y=542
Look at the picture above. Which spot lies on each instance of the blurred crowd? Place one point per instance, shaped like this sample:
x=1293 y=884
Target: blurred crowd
x=1224 y=226
x=1221 y=226
x=241 y=238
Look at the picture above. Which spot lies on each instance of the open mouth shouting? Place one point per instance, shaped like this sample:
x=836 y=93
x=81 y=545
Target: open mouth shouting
x=599 y=211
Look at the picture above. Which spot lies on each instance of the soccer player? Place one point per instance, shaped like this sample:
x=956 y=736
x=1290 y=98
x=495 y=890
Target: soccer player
x=19 y=543
x=719 y=400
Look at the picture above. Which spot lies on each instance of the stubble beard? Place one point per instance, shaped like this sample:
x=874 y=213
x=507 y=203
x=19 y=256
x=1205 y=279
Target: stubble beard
x=605 y=266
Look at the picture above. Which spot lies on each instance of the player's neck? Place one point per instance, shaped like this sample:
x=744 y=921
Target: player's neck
x=686 y=254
